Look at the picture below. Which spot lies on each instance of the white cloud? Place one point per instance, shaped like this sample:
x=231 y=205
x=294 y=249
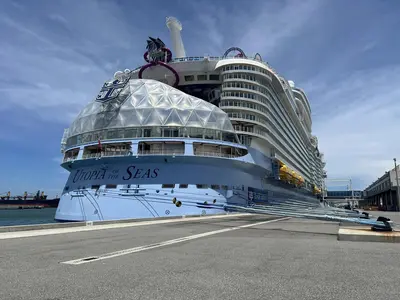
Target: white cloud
x=357 y=122
x=55 y=61
x=257 y=26
x=275 y=24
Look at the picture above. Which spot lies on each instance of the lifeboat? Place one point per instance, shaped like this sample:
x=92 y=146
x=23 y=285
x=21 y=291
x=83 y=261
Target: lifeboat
x=301 y=180
x=283 y=173
x=316 y=190
x=293 y=177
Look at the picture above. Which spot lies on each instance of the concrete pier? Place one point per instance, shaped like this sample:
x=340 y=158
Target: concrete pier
x=226 y=257
x=365 y=234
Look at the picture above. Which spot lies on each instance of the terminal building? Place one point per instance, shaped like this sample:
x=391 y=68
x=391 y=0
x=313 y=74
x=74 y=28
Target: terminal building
x=382 y=193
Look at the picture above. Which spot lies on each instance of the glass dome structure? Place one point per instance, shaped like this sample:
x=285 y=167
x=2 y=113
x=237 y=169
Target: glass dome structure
x=149 y=103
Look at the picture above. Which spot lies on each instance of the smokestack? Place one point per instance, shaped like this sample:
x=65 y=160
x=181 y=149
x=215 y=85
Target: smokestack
x=175 y=28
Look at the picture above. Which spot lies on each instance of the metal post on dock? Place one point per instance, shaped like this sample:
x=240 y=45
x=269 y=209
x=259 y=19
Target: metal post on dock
x=352 y=193
x=397 y=185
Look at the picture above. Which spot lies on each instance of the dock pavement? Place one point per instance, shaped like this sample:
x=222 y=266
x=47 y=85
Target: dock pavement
x=228 y=257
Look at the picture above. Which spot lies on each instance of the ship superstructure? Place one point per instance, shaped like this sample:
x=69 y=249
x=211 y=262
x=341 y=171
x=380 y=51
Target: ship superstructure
x=269 y=113
x=183 y=135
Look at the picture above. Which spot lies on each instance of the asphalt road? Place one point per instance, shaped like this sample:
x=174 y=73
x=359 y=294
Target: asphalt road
x=291 y=259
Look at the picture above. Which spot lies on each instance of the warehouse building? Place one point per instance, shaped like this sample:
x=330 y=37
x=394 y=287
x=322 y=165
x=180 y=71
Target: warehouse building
x=382 y=193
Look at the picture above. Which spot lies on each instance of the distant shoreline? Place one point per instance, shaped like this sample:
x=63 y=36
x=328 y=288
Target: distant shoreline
x=16 y=207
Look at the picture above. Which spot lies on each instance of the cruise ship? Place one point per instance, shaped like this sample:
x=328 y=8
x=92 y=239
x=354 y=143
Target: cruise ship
x=184 y=135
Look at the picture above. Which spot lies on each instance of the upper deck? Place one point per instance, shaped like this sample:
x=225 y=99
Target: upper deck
x=157 y=147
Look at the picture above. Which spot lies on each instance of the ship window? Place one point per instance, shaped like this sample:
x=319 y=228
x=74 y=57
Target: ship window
x=72 y=140
x=202 y=186
x=130 y=133
x=183 y=186
x=170 y=132
x=168 y=186
x=86 y=138
x=214 y=77
x=112 y=134
x=189 y=78
x=195 y=132
x=201 y=77
x=215 y=186
x=209 y=134
x=111 y=186
x=95 y=187
x=146 y=132
x=228 y=137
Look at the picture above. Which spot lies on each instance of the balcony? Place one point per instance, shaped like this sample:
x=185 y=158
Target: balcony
x=71 y=155
x=149 y=148
x=154 y=152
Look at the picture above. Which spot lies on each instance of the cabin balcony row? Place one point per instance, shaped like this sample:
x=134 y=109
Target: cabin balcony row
x=148 y=132
x=154 y=147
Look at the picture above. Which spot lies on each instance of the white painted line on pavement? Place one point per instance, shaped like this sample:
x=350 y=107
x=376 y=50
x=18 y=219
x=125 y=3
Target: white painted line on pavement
x=40 y=232
x=90 y=259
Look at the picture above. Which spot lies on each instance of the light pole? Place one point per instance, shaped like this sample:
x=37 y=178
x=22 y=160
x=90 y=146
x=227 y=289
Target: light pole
x=323 y=190
x=397 y=185
x=350 y=187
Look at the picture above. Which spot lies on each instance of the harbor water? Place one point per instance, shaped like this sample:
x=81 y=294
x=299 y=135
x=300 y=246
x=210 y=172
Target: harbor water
x=13 y=217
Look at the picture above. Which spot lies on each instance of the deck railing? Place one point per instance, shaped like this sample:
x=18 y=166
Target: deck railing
x=106 y=154
x=214 y=154
x=151 y=152
x=162 y=152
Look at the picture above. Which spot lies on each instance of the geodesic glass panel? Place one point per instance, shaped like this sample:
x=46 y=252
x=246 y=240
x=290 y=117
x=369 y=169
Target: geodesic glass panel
x=150 y=103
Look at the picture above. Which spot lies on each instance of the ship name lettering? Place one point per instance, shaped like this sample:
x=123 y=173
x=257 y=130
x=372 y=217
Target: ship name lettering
x=134 y=173
x=81 y=175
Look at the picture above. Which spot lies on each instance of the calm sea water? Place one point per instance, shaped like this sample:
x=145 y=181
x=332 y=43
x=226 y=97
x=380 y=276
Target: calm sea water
x=12 y=217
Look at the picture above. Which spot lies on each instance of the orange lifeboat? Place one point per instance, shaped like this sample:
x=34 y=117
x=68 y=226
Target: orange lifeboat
x=283 y=173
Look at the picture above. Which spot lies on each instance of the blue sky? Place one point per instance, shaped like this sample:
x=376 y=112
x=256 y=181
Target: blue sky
x=55 y=55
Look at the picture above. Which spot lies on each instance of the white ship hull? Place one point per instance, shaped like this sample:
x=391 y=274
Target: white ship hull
x=137 y=187
x=114 y=205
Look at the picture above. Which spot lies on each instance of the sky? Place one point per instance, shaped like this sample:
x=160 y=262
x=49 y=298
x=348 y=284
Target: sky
x=55 y=56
